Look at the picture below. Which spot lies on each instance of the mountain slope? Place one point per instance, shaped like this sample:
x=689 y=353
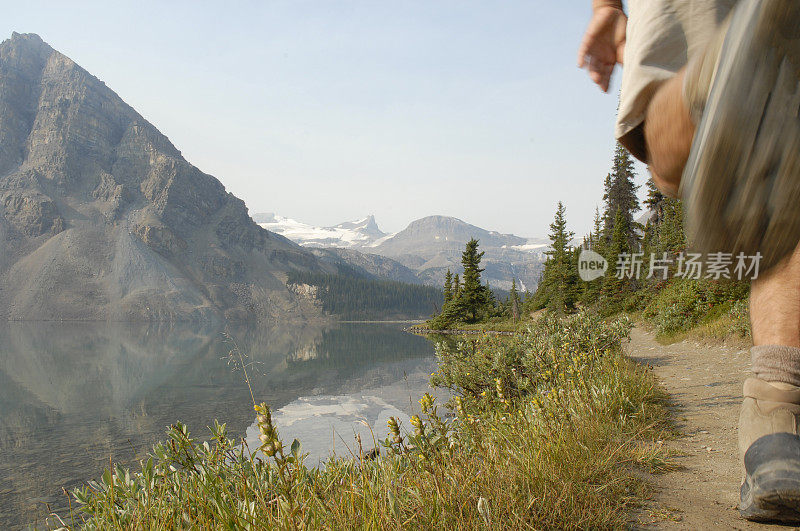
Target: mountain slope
x=102 y=218
x=374 y=265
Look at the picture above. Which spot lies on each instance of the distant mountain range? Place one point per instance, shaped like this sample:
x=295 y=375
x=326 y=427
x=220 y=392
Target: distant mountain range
x=426 y=249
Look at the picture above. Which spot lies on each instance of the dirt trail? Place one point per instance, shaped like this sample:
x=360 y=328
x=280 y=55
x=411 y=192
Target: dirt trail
x=705 y=383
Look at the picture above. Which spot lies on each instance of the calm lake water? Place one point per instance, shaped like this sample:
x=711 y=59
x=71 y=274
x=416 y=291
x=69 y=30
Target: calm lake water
x=73 y=395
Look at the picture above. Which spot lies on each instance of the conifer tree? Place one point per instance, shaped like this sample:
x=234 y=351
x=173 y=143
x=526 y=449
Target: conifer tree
x=671 y=234
x=619 y=245
x=514 y=302
x=557 y=288
x=620 y=195
x=456 y=287
x=596 y=238
x=473 y=296
x=607 y=223
x=590 y=291
x=654 y=200
x=448 y=286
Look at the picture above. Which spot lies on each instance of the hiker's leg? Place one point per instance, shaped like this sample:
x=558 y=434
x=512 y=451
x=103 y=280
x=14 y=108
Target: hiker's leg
x=668 y=132
x=775 y=297
x=770 y=416
x=775 y=304
x=654 y=122
x=655 y=50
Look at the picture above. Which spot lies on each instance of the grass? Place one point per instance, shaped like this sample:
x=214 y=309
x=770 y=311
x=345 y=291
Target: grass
x=730 y=325
x=718 y=307
x=550 y=428
x=686 y=310
x=689 y=309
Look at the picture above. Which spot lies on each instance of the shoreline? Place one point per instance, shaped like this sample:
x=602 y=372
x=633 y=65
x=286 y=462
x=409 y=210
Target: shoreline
x=458 y=331
x=377 y=321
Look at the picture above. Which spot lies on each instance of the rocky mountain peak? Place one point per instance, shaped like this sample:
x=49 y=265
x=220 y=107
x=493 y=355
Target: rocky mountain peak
x=367 y=226
x=27 y=44
x=96 y=202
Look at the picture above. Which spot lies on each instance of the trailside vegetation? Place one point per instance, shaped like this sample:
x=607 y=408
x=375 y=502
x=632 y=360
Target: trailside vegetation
x=655 y=288
x=351 y=297
x=553 y=429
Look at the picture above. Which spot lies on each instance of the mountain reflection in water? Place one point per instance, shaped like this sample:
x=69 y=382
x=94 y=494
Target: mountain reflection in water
x=74 y=394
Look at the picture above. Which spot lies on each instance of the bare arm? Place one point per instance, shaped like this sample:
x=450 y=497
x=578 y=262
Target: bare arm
x=603 y=44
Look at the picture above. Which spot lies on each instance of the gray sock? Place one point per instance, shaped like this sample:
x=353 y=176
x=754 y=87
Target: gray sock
x=776 y=363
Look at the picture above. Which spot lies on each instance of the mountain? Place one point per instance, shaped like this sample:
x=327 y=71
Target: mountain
x=350 y=234
x=434 y=244
x=102 y=218
x=428 y=247
x=433 y=234
x=366 y=226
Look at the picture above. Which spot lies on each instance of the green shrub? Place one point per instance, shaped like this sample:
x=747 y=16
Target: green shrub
x=684 y=303
x=527 y=361
x=730 y=321
x=740 y=317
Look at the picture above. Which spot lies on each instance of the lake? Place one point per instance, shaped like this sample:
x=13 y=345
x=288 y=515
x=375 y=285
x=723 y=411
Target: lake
x=73 y=395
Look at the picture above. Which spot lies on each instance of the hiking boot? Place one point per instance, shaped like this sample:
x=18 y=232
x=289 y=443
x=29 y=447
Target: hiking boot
x=769 y=442
x=741 y=183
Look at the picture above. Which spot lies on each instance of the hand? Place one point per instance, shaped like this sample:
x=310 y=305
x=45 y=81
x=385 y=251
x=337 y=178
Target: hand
x=603 y=44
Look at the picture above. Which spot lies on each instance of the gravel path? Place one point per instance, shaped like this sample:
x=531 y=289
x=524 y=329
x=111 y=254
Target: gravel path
x=704 y=381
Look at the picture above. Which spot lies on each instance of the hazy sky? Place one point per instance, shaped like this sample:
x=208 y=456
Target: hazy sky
x=326 y=111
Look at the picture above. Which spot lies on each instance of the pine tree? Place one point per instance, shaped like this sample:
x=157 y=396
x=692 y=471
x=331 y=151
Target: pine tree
x=590 y=291
x=613 y=287
x=608 y=224
x=514 y=301
x=557 y=288
x=474 y=295
x=456 y=287
x=654 y=199
x=596 y=238
x=669 y=233
x=448 y=286
x=620 y=195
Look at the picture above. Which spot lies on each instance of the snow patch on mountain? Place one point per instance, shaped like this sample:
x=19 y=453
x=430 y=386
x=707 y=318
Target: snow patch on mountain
x=383 y=239
x=530 y=246
x=349 y=234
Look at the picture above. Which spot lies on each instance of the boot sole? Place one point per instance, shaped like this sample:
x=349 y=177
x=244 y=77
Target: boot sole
x=771 y=490
x=741 y=183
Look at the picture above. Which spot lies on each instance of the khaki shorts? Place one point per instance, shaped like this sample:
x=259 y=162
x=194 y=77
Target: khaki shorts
x=661 y=34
